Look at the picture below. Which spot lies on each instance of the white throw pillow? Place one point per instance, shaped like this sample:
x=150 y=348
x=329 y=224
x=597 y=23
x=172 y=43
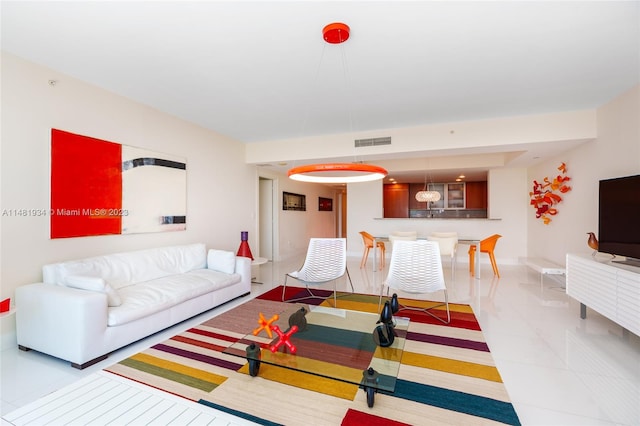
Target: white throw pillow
x=94 y=284
x=221 y=261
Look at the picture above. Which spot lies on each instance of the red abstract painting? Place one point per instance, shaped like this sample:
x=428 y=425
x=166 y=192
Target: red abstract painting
x=86 y=186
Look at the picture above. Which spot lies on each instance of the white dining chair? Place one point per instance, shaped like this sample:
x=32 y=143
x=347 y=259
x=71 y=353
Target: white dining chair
x=448 y=242
x=326 y=261
x=416 y=267
x=402 y=236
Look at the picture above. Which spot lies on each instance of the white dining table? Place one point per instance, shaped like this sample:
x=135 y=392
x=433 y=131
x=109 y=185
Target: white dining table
x=465 y=240
x=473 y=242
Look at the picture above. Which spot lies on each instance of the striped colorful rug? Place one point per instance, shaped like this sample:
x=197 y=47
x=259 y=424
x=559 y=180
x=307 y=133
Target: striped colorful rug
x=447 y=374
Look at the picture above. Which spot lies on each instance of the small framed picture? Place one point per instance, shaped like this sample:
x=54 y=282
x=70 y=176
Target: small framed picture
x=325 y=204
x=291 y=201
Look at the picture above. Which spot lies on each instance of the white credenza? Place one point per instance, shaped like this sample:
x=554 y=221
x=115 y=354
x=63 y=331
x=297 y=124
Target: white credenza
x=610 y=289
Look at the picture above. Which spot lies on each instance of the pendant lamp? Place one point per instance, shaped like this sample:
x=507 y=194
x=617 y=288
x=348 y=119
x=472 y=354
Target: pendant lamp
x=425 y=196
x=337 y=33
x=337 y=173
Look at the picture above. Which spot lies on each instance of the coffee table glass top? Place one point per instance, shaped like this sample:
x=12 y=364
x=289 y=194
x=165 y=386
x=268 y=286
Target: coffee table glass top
x=336 y=343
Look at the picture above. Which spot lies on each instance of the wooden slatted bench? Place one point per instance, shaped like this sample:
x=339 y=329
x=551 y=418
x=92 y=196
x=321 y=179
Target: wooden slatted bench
x=544 y=267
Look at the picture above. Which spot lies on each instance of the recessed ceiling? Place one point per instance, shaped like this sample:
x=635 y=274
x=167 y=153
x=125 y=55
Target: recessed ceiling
x=260 y=71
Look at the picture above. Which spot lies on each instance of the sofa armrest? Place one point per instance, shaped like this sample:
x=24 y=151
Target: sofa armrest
x=64 y=322
x=243 y=267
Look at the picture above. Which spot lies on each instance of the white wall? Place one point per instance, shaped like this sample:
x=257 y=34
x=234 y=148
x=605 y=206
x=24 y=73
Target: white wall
x=221 y=198
x=615 y=152
x=492 y=135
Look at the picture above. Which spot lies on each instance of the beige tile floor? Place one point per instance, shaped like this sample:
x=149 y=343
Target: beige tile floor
x=558 y=369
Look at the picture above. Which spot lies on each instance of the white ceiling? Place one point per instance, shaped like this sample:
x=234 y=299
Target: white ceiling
x=260 y=71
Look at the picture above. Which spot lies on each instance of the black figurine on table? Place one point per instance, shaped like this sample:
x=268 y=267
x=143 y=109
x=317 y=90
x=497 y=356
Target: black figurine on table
x=384 y=333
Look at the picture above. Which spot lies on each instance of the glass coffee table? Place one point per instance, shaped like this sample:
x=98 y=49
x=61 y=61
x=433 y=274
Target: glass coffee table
x=333 y=343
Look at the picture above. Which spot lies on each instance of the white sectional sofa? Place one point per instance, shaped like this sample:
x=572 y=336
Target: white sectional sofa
x=85 y=309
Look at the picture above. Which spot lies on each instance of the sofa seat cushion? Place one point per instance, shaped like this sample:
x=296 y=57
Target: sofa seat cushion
x=148 y=297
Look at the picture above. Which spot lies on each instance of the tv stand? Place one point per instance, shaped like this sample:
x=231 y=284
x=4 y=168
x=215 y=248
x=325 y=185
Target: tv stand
x=612 y=289
x=628 y=261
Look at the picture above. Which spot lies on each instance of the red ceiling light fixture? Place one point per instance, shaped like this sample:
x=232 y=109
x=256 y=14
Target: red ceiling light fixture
x=337 y=33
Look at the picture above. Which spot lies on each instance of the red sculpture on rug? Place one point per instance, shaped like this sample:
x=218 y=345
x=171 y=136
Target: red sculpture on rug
x=266 y=325
x=284 y=339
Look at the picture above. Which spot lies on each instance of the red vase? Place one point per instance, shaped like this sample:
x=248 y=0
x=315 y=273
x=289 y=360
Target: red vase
x=244 y=250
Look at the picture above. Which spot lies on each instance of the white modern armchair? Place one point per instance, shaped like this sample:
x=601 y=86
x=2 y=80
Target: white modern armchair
x=326 y=261
x=416 y=267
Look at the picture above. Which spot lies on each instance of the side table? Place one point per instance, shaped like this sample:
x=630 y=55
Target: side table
x=257 y=261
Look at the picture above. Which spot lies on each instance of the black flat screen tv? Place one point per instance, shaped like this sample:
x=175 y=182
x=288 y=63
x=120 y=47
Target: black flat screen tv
x=619 y=218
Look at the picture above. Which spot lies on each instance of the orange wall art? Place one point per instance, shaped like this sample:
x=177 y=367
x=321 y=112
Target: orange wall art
x=546 y=194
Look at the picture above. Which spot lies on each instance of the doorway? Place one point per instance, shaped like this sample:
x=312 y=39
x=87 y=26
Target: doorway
x=341 y=213
x=266 y=225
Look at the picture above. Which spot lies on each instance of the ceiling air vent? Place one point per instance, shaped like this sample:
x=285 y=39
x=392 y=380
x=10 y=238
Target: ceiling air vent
x=373 y=142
